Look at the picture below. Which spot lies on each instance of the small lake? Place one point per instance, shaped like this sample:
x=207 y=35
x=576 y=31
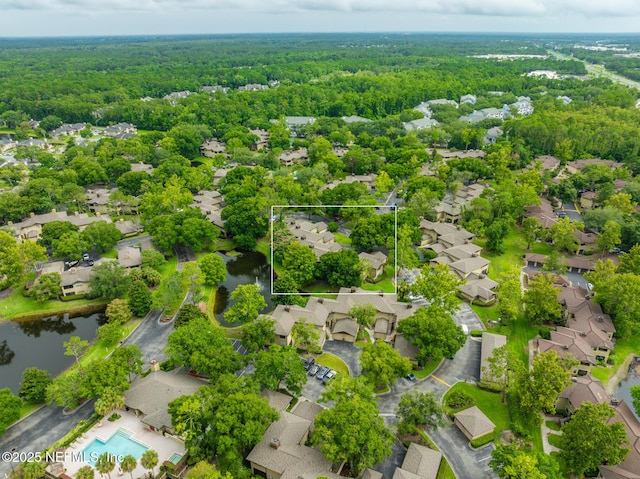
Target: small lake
x=38 y=343
x=250 y=267
x=623 y=390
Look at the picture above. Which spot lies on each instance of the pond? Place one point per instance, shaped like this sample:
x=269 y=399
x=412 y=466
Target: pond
x=38 y=343
x=249 y=267
x=623 y=391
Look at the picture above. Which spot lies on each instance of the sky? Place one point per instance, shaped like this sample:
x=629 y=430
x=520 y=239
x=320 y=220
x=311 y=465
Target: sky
x=27 y=18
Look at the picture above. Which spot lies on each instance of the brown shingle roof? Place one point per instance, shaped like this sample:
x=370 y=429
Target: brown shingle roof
x=475 y=421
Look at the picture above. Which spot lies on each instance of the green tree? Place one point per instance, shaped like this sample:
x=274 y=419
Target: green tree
x=55 y=230
x=111 y=399
x=512 y=462
x=610 y=236
x=383 y=365
x=305 y=335
x=33 y=469
x=101 y=235
x=537 y=388
x=197 y=233
x=621 y=202
x=70 y=245
x=65 y=391
x=85 y=472
x=225 y=419
x=248 y=304
x=383 y=182
x=363 y=314
x=342 y=268
x=118 y=311
x=192 y=279
x=10 y=406
x=433 y=332
x=280 y=364
x=34 y=384
x=105 y=463
x=154 y=259
x=510 y=294
x=553 y=263
x=541 y=300
x=353 y=432
x=204 y=470
x=419 y=410
x=498 y=367
x=630 y=262
x=531 y=228
x=128 y=359
x=496 y=233
x=46 y=287
x=300 y=263
x=110 y=333
x=149 y=460
x=75 y=347
x=562 y=237
x=284 y=283
x=587 y=440
x=258 y=334
x=635 y=397
x=213 y=269
x=128 y=464
x=203 y=347
x=438 y=286
x=186 y=313
x=140 y=299
x=109 y=280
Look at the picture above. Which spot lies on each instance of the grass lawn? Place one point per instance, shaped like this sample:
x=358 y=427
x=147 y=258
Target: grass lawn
x=27 y=408
x=431 y=365
x=515 y=247
x=112 y=253
x=99 y=350
x=554 y=439
x=223 y=244
x=16 y=305
x=553 y=425
x=210 y=294
x=384 y=283
x=489 y=403
x=319 y=287
x=169 y=267
x=342 y=239
x=624 y=347
x=334 y=362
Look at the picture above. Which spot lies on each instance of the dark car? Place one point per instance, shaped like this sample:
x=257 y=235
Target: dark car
x=314 y=369
x=308 y=362
x=327 y=377
x=411 y=377
x=322 y=372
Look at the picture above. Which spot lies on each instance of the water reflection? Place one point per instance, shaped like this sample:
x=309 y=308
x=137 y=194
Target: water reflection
x=250 y=267
x=6 y=353
x=55 y=325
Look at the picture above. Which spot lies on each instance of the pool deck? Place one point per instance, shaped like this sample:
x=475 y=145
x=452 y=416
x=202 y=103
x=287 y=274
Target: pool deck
x=164 y=446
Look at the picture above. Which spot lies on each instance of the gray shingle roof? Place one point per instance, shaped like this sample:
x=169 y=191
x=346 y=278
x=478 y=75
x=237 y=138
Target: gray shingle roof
x=475 y=421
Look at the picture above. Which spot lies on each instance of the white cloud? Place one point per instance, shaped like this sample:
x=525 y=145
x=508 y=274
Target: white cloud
x=519 y=8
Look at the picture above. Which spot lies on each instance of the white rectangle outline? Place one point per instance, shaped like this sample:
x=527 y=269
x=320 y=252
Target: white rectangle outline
x=368 y=293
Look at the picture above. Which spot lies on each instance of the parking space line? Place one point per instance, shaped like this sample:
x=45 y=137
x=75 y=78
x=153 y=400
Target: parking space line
x=440 y=380
x=484 y=459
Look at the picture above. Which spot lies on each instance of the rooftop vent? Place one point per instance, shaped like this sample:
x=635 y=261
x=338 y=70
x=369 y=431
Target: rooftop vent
x=600 y=319
x=615 y=401
x=320 y=300
x=275 y=443
x=565 y=347
x=583 y=333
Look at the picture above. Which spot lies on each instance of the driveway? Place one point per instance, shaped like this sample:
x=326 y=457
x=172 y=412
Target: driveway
x=40 y=430
x=347 y=352
x=465 y=462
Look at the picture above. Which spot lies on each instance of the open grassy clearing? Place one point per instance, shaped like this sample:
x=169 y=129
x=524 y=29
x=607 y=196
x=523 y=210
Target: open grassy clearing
x=16 y=305
x=488 y=402
x=334 y=362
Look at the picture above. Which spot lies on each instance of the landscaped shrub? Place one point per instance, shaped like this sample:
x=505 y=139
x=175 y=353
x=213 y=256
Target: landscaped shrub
x=332 y=226
x=428 y=255
x=545 y=332
x=459 y=399
x=476 y=333
x=482 y=440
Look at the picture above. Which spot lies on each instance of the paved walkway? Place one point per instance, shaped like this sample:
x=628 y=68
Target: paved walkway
x=546 y=447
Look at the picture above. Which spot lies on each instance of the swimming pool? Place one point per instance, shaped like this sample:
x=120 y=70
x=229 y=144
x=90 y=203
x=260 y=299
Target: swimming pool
x=119 y=444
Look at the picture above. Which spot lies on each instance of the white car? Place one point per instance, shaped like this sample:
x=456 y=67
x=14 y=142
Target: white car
x=465 y=329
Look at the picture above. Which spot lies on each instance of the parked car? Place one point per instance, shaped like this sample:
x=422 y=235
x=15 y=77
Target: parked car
x=86 y=257
x=322 y=372
x=327 y=377
x=313 y=370
x=465 y=329
x=411 y=377
x=308 y=362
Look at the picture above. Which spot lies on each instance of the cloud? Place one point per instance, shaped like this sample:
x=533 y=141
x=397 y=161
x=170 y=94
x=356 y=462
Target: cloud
x=500 y=8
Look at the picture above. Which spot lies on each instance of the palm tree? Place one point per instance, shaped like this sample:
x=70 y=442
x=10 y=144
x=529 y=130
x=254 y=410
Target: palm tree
x=85 y=472
x=149 y=460
x=105 y=463
x=128 y=464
